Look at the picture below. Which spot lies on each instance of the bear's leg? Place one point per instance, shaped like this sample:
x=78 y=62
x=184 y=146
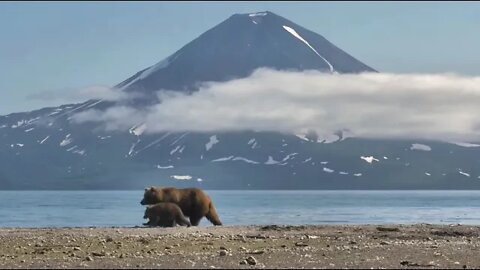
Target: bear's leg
x=182 y=221
x=162 y=223
x=149 y=223
x=152 y=222
x=195 y=220
x=167 y=223
x=170 y=223
x=212 y=215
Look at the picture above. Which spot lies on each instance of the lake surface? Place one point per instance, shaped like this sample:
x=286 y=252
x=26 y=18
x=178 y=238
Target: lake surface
x=122 y=208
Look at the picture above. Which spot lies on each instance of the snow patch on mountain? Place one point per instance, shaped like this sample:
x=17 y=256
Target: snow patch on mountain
x=162 y=64
x=147 y=72
x=179 y=138
x=328 y=170
x=369 y=159
x=323 y=138
x=175 y=150
x=464 y=144
x=222 y=159
x=253 y=143
x=245 y=160
x=66 y=141
x=307 y=160
x=288 y=157
x=302 y=136
x=17 y=144
x=19 y=124
x=331 y=138
x=53 y=113
x=165 y=167
x=232 y=158
x=181 y=177
x=213 y=141
x=257 y=14
x=46 y=138
x=95 y=103
x=155 y=142
x=271 y=161
x=138 y=130
x=181 y=149
x=74 y=109
x=420 y=147
x=132 y=148
x=295 y=34
x=80 y=152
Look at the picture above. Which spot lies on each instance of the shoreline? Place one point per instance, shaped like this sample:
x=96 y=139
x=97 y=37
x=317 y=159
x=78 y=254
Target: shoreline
x=253 y=246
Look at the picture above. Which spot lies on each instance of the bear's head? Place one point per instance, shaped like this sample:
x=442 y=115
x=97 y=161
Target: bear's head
x=147 y=212
x=152 y=195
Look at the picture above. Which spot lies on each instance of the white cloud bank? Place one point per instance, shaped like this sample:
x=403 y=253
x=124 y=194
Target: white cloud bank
x=82 y=94
x=369 y=105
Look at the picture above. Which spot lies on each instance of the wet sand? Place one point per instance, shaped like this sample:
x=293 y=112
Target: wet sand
x=352 y=246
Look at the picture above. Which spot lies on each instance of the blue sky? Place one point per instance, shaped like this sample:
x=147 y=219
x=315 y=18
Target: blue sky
x=55 y=46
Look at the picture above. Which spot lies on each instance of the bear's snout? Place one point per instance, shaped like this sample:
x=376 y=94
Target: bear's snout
x=142 y=202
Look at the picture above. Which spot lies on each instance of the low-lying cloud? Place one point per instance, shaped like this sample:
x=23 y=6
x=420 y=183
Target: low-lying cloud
x=81 y=95
x=369 y=105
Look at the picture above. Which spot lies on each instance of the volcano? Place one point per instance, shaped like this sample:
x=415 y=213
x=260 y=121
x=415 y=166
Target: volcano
x=239 y=45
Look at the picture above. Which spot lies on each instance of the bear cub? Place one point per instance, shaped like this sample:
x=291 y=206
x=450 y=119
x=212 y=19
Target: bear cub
x=165 y=215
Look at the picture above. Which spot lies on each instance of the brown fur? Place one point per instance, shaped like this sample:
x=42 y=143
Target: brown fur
x=165 y=215
x=194 y=202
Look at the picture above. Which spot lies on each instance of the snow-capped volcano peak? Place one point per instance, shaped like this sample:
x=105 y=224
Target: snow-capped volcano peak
x=257 y=14
x=239 y=45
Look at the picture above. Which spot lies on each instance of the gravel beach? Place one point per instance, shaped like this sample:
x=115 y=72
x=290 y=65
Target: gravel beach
x=271 y=246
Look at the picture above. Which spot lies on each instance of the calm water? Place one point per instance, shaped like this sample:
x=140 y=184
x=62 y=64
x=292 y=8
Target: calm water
x=122 y=208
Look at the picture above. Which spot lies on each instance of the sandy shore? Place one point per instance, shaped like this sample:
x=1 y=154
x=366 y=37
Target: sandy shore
x=366 y=246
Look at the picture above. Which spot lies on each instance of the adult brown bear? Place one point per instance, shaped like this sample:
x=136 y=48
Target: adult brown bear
x=194 y=202
x=165 y=215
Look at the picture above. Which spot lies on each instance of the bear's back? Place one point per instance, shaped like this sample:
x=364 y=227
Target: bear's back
x=165 y=209
x=190 y=200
